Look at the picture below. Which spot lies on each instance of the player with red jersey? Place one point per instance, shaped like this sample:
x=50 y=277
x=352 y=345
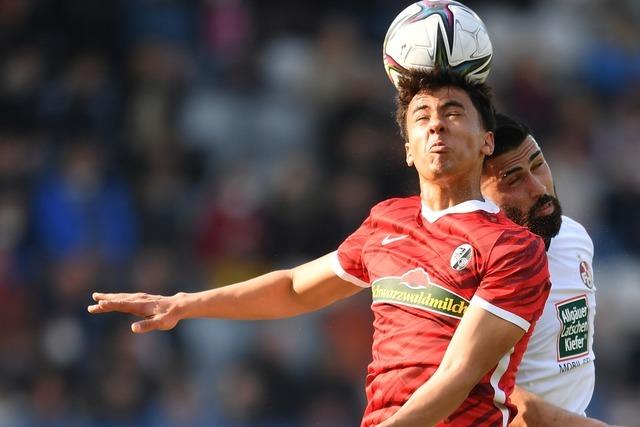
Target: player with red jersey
x=456 y=287
x=425 y=268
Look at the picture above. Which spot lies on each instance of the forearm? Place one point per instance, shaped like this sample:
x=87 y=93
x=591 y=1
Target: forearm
x=274 y=295
x=479 y=342
x=433 y=401
x=534 y=411
x=269 y=296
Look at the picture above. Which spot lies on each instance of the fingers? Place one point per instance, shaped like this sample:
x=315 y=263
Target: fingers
x=150 y=307
x=143 y=326
x=134 y=303
x=102 y=307
x=98 y=308
x=152 y=324
x=137 y=308
x=98 y=296
x=94 y=309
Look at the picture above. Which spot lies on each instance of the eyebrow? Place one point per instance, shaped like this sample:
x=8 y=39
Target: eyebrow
x=447 y=104
x=534 y=155
x=518 y=168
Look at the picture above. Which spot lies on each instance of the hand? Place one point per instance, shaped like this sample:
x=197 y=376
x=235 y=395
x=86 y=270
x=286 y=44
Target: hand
x=529 y=412
x=535 y=411
x=159 y=312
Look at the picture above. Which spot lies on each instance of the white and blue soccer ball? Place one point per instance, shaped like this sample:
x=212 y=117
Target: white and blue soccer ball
x=434 y=34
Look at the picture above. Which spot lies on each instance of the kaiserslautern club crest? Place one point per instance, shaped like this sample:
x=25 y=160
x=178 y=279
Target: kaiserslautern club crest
x=586 y=274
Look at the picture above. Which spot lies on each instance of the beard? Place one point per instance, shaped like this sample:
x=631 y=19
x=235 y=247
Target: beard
x=544 y=226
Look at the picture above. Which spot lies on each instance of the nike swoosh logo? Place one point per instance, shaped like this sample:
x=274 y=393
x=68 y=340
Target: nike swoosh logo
x=388 y=239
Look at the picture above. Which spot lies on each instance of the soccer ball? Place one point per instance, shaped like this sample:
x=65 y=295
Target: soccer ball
x=438 y=34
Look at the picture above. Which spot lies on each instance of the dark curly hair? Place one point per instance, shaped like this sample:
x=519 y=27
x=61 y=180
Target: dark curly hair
x=414 y=82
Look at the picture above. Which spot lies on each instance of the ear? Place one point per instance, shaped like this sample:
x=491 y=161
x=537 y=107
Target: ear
x=409 y=156
x=488 y=144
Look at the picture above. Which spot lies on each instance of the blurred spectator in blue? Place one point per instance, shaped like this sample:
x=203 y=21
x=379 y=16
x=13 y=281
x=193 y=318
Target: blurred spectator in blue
x=80 y=208
x=611 y=57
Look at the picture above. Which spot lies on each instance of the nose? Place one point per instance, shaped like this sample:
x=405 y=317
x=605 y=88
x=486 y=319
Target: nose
x=537 y=188
x=436 y=124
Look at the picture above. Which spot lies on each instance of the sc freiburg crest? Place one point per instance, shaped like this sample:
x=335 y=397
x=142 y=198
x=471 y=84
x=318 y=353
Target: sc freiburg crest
x=461 y=257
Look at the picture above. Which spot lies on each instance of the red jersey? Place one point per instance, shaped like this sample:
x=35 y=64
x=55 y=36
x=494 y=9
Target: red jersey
x=424 y=269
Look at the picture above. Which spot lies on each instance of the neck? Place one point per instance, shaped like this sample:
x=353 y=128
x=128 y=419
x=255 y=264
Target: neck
x=442 y=195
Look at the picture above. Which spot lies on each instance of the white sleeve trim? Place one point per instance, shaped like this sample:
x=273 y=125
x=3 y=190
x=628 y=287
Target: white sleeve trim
x=340 y=272
x=503 y=314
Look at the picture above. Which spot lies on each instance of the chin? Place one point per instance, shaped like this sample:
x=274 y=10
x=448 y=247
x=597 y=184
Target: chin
x=548 y=226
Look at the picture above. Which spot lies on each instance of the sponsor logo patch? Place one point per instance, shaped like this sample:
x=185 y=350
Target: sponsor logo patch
x=574 y=336
x=415 y=289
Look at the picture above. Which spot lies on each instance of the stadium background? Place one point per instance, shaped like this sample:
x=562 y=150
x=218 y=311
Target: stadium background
x=165 y=145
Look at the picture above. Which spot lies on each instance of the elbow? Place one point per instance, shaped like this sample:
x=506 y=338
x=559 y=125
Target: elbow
x=298 y=301
x=460 y=375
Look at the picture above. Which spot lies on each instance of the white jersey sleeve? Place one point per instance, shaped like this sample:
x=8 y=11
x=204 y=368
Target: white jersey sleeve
x=558 y=364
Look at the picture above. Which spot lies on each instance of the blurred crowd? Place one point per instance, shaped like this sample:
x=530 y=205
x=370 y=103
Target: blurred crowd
x=166 y=145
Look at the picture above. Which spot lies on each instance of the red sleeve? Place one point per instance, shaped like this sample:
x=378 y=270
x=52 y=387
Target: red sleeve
x=347 y=261
x=516 y=282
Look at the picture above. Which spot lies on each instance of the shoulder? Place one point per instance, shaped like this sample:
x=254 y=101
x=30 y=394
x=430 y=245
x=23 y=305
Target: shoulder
x=396 y=206
x=571 y=227
x=572 y=233
x=513 y=240
x=519 y=239
x=497 y=230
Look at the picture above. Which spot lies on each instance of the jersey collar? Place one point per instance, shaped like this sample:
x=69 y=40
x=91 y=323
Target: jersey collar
x=464 y=207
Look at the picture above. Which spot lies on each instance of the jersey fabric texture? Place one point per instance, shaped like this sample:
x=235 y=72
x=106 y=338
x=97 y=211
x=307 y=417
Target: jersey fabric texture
x=424 y=269
x=558 y=364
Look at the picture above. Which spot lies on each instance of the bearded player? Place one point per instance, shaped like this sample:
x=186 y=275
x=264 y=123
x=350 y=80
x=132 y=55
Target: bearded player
x=556 y=377
x=427 y=260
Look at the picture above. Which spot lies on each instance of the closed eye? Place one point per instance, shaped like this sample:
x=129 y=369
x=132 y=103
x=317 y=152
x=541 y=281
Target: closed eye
x=514 y=180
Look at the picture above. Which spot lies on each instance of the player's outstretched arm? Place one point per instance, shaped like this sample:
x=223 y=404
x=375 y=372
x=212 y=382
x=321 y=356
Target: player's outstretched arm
x=535 y=411
x=274 y=295
x=479 y=342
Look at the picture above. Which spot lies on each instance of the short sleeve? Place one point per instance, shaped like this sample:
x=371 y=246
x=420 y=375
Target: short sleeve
x=347 y=261
x=516 y=282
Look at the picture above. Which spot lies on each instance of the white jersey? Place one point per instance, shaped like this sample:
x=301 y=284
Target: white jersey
x=558 y=364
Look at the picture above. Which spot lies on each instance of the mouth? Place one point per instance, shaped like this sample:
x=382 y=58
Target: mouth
x=545 y=210
x=438 y=147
